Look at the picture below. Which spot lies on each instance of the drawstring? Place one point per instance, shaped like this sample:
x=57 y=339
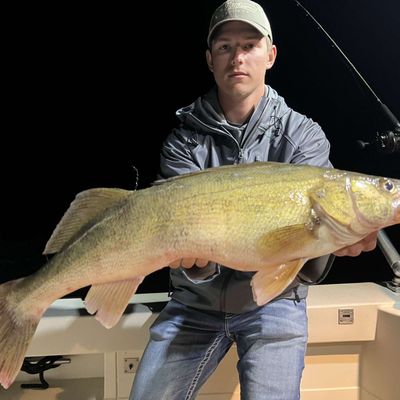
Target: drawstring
x=170 y=287
x=296 y=295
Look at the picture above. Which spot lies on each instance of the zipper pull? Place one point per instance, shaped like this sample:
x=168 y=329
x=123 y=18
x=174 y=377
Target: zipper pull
x=296 y=295
x=240 y=156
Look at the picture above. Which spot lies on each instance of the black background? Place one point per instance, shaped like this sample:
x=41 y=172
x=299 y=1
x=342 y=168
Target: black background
x=91 y=92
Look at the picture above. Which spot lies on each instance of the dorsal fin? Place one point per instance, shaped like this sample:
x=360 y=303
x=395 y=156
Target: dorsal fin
x=86 y=206
x=177 y=177
x=199 y=172
x=239 y=168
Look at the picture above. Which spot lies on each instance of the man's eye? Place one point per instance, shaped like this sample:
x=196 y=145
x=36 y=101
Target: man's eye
x=249 y=46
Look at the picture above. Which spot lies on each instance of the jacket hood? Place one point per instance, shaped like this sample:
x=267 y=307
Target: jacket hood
x=206 y=114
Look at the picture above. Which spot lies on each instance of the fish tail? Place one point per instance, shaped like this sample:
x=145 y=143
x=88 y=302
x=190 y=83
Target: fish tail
x=16 y=332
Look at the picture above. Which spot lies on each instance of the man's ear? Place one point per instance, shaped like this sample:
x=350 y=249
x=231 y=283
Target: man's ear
x=209 y=60
x=271 y=56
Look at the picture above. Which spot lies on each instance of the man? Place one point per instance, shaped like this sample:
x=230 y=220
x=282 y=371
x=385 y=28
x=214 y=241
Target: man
x=241 y=120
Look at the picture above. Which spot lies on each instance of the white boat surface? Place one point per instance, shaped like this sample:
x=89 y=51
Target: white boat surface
x=353 y=351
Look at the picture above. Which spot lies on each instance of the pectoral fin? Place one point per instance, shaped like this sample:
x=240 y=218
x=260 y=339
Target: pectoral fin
x=289 y=241
x=110 y=300
x=267 y=284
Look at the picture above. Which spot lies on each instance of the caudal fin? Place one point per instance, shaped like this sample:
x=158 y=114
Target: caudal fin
x=16 y=332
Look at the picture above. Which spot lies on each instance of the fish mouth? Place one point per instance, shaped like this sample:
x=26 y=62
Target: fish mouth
x=393 y=219
x=396 y=206
x=396 y=202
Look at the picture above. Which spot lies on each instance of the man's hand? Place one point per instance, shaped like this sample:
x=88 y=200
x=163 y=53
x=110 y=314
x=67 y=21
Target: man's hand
x=189 y=263
x=366 y=244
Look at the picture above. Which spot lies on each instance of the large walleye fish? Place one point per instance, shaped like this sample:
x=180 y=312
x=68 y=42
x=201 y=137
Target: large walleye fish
x=263 y=217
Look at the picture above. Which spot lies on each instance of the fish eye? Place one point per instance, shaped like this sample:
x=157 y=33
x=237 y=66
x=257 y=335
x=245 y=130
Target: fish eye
x=388 y=185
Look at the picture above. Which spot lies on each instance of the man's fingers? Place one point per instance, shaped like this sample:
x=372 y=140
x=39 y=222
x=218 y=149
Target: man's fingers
x=175 y=264
x=354 y=250
x=370 y=242
x=189 y=263
x=351 y=251
x=201 y=262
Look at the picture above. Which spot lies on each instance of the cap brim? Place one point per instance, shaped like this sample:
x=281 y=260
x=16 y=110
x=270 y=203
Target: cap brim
x=263 y=32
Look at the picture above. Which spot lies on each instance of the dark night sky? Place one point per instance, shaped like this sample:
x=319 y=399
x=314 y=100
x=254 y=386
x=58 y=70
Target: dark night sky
x=90 y=94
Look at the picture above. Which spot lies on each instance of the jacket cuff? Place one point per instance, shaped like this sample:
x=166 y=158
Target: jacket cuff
x=200 y=275
x=315 y=270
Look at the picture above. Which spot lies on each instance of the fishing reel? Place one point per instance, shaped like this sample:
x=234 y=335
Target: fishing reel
x=387 y=142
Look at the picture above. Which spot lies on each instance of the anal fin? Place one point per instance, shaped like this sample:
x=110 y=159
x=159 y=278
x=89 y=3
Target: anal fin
x=267 y=284
x=109 y=300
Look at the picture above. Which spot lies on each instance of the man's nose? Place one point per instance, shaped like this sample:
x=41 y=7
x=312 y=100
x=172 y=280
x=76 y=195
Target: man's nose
x=237 y=56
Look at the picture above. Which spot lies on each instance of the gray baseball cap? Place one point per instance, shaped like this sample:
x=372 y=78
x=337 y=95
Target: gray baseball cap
x=240 y=10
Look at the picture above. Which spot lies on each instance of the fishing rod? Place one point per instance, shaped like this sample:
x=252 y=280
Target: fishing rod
x=386 y=141
x=393 y=259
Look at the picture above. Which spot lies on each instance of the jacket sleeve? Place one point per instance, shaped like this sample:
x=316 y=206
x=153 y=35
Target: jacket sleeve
x=312 y=146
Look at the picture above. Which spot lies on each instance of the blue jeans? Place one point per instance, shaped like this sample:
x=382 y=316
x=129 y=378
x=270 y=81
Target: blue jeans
x=186 y=345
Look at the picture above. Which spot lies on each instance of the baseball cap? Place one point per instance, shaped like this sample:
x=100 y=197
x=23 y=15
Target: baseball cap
x=240 y=10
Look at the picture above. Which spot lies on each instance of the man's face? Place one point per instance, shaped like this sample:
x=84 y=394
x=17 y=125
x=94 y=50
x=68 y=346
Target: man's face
x=239 y=57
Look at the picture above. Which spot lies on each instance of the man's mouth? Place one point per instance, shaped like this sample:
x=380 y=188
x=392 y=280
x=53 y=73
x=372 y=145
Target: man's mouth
x=237 y=74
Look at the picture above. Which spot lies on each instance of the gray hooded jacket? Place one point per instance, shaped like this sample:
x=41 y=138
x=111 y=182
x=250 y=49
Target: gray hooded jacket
x=205 y=139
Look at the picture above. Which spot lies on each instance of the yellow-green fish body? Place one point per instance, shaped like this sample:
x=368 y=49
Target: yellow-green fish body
x=263 y=217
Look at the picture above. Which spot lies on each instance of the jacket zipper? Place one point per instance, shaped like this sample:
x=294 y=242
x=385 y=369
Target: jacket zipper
x=222 y=299
x=220 y=132
x=240 y=156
